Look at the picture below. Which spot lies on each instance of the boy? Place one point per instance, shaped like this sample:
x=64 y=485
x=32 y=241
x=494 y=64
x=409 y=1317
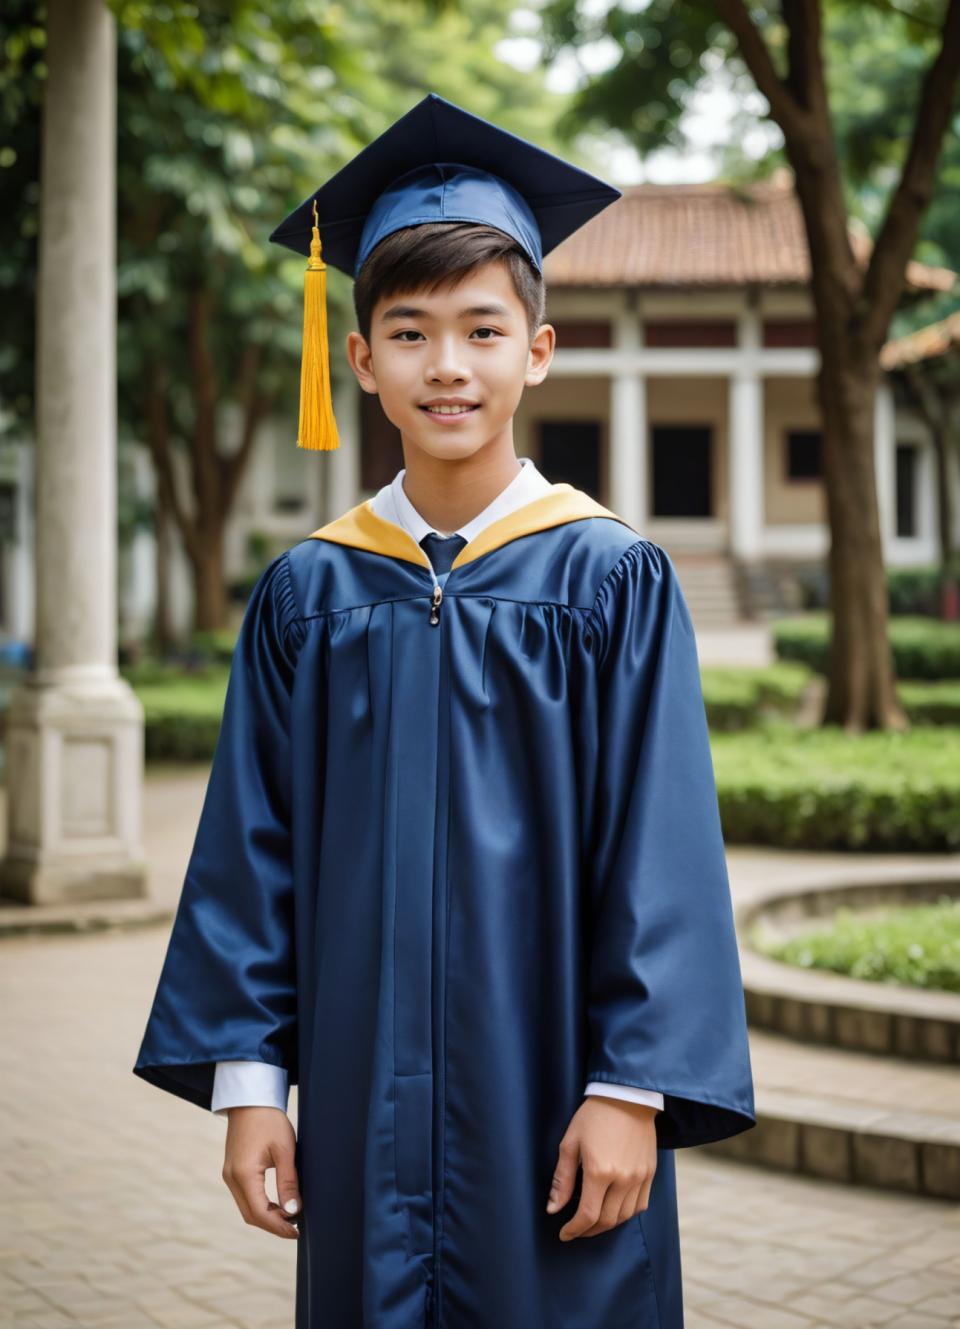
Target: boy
x=459 y=872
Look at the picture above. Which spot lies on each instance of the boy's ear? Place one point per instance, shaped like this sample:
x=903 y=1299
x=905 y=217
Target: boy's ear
x=541 y=354
x=360 y=359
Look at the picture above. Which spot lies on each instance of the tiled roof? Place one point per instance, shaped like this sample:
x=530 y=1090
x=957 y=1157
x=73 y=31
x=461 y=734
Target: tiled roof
x=924 y=344
x=704 y=235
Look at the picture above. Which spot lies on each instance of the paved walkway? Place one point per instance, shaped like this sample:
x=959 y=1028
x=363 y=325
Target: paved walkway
x=115 y=1214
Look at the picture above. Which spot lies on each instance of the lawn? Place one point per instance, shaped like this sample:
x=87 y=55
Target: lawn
x=918 y=945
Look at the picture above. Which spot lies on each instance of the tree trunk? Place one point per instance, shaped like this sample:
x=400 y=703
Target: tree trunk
x=853 y=310
x=163 y=635
x=861 y=691
x=210 y=611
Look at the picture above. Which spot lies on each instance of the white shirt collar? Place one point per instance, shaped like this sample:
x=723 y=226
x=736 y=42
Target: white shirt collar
x=392 y=503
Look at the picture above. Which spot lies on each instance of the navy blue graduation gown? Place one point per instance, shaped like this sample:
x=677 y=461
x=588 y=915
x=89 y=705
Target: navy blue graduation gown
x=445 y=874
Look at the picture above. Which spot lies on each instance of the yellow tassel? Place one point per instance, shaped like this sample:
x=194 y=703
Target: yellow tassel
x=318 y=428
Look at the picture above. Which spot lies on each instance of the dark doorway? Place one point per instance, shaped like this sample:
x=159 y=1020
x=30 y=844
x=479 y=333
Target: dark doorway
x=907 y=456
x=570 y=454
x=682 y=480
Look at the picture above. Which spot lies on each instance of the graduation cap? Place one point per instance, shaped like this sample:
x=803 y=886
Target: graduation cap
x=438 y=162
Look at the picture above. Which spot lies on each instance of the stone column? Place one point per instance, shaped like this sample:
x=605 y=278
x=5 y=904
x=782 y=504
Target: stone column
x=628 y=467
x=75 y=729
x=745 y=456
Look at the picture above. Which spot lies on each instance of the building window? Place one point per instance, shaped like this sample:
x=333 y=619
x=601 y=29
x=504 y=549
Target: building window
x=907 y=461
x=576 y=333
x=803 y=454
x=677 y=333
x=780 y=332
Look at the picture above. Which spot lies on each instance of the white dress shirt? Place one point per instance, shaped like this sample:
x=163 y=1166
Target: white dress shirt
x=256 y=1084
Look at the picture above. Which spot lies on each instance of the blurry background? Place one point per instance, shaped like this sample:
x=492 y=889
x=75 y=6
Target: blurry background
x=758 y=367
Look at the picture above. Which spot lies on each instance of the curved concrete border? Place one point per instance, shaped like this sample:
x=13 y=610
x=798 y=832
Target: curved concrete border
x=820 y=1007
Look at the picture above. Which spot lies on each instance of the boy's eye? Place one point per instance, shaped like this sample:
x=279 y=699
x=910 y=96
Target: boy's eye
x=412 y=332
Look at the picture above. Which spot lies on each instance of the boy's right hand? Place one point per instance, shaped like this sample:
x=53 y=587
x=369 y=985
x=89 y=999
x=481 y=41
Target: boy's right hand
x=259 y=1138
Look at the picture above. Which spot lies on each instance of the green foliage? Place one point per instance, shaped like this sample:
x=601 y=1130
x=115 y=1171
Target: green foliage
x=931 y=703
x=822 y=788
x=213 y=646
x=647 y=60
x=915 y=591
x=736 y=698
x=229 y=114
x=182 y=713
x=917 y=945
x=922 y=648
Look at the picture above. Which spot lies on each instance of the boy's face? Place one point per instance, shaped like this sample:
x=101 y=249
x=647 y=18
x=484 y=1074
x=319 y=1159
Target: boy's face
x=469 y=342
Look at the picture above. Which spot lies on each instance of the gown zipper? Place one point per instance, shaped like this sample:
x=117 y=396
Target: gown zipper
x=440 y=924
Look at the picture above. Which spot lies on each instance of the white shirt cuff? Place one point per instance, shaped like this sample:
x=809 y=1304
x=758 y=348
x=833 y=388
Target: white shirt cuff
x=249 y=1084
x=627 y=1091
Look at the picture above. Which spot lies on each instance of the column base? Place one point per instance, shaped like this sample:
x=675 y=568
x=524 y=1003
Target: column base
x=74 y=779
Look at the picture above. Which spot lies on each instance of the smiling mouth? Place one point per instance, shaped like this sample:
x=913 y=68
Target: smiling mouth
x=458 y=410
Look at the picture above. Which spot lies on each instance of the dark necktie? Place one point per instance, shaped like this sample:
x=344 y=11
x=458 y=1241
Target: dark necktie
x=442 y=549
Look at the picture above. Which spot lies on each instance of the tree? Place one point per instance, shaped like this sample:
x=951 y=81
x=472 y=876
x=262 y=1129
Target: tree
x=664 y=49
x=229 y=114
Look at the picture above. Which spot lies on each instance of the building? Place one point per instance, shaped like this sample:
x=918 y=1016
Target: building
x=681 y=395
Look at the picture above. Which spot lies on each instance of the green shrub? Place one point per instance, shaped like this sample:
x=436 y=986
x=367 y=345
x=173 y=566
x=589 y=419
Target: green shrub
x=182 y=716
x=914 y=590
x=917 y=945
x=931 y=703
x=736 y=698
x=214 y=645
x=922 y=647
x=825 y=789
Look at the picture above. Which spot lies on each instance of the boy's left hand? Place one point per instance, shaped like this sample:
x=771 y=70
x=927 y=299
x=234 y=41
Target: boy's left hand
x=616 y=1141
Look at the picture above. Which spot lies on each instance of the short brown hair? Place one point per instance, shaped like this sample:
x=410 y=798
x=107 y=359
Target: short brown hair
x=433 y=254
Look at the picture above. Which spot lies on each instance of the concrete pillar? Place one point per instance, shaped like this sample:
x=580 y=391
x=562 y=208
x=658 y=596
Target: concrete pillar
x=745 y=430
x=629 y=467
x=75 y=729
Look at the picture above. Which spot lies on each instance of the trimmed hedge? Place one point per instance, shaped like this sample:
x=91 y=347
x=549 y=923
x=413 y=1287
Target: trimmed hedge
x=739 y=698
x=931 y=703
x=922 y=647
x=736 y=698
x=182 y=715
x=914 y=590
x=825 y=789
x=777 y=784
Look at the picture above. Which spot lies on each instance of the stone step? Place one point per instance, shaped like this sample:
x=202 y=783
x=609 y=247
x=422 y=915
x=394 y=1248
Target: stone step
x=853 y=1117
x=710 y=589
x=712 y=617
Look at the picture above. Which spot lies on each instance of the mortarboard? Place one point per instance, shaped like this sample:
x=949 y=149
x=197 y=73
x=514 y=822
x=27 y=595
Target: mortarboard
x=438 y=162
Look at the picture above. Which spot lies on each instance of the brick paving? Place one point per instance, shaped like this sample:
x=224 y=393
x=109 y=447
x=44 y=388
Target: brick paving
x=115 y=1213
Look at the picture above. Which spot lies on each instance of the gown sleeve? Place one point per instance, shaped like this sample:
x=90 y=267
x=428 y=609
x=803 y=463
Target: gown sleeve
x=227 y=988
x=665 y=1000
